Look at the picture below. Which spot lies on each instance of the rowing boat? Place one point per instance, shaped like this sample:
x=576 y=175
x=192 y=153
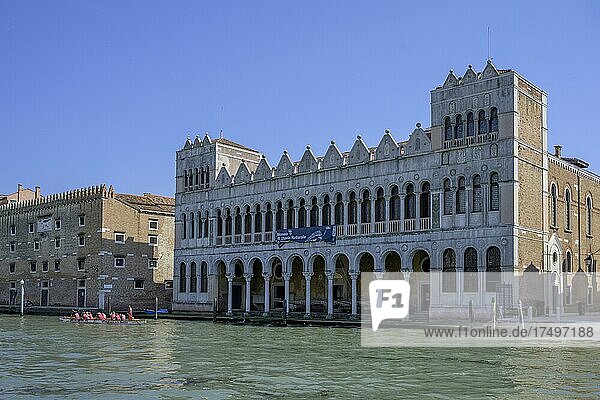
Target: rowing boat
x=99 y=322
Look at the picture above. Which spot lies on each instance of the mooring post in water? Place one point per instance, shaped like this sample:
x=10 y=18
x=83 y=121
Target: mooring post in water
x=493 y=313
x=22 y=296
x=215 y=310
x=156 y=308
x=285 y=312
x=471 y=315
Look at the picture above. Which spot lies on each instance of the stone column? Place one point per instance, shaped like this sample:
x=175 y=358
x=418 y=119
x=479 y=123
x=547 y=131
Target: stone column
x=372 y=212
x=267 y=278
x=263 y=224
x=345 y=213
x=248 y=278
x=243 y=230
x=358 y=214
x=252 y=225
x=286 y=281
x=353 y=277
x=330 y=275
x=229 y=290
x=387 y=211
x=307 y=276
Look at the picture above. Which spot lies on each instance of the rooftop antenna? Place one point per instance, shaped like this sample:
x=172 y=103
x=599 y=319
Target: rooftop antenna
x=221 y=118
x=489 y=46
x=221 y=134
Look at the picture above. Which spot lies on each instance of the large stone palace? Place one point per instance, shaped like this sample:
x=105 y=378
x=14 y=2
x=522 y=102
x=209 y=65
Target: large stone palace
x=87 y=248
x=477 y=191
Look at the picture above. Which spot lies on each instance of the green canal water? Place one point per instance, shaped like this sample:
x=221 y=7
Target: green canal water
x=41 y=357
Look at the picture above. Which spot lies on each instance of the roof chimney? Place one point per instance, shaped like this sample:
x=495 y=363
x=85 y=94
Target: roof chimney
x=19 y=190
x=558 y=150
x=37 y=192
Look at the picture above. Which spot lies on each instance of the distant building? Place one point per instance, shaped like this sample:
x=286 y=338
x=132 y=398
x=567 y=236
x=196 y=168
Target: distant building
x=477 y=191
x=20 y=195
x=88 y=248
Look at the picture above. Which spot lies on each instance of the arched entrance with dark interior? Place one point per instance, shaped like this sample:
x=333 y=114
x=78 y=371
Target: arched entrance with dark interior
x=257 y=287
x=238 y=287
x=419 y=283
x=277 y=285
x=342 y=285
x=297 y=285
x=222 y=286
x=366 y=266
x=318 y=286
x=393 y=264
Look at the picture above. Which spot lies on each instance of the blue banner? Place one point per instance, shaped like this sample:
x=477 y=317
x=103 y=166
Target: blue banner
x=307 y=235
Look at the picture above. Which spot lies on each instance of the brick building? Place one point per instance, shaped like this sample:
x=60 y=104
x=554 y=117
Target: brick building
x=477 y=191
x=20 y=195
x=88 y=248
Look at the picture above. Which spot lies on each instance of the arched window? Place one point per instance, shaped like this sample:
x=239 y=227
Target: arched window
x=553 y=205
x=182 y=278
x=568 y=266
x=207 y=179
x=379 y=206
x=568 y=209
x=257 y=219
x=365 y=208
x=470 y=124
x=291 y=217
x=482 y=125
x=196 y=177
x=493 y=120
x=339 y=209
x=314 y=212
x=458 y=127
x=193 y=278
x=206 y=222
x=219 y=223
x=409 y=202
x=200 y=223
x=302 y=214
x=470 y=270
x=202 y=177
x=238 y=221
x=326 y=211
x=269 y=218
x=228 y=223
x=492 y=268
x=352 y=209
x=203 y=277
x=395 y=204
x=477 y=194
x=192 y=226
x=588 y=206
x=247 y=221
x=449 y=271
x=425 y=200
x=185 y=179
x=184 y=223
x=191 y=177
x=447 y=129
x=447 y=197
x=279 y=216
x=494 y=192
x=461 y=196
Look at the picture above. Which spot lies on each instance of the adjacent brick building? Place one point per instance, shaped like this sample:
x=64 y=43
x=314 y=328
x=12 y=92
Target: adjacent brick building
x=88 y=248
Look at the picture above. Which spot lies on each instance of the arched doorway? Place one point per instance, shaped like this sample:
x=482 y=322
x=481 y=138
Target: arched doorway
x=419 y=282
x=257 y=287
x=222 y=286
x=238 y=286
x=366 y=265
x=318 y=286
x=342 y=285
x=297 y=285
x=277 y=294
x=392 y=263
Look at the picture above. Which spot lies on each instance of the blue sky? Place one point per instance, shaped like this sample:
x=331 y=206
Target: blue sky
x=106 y=92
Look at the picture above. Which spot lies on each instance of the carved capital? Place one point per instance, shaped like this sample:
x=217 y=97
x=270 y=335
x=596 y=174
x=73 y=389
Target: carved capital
x=267 y=276
x=307 y=275
x=248 y=276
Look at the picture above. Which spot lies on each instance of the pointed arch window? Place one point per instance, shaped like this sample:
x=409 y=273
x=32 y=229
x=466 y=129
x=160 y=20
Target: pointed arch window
x=449 y=271
x=447 y=129
x=247 y=220
x=192 y=226
x=461 y=196
x=238 y=221
x=339 y=209
x=184 y=223
x=202 y=177
x=409 y=202
x=365 y=207
x=379 y=206
x=470 y=124
x=352 y=209
x=228 y=223
x=395 y=204
x=493 y=120
x=494 y=192
x=553 y=205
x=206 y=222
x=425 y=200
x=588 y=206
x=477 y=194
x=326 y=218
x=219 y=223
x=193 y=278
x=269 y=218
x=302 y=214
x=257 y=219
x=447 y=197
x=203 y=277
x=471 y=281
x=182 y=278
x=568 y=262
x=458 y=127
x=568 y=209
x=279 y=216
x=196 y=177
x=207 y=179
x=314 y=212
x=482 y=123
x=291 y=217
x=200 y=225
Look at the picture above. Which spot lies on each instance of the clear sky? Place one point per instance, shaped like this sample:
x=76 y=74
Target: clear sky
x=106 y=92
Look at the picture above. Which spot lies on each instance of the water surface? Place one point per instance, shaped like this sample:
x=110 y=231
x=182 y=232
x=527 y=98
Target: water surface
x=43 y=357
